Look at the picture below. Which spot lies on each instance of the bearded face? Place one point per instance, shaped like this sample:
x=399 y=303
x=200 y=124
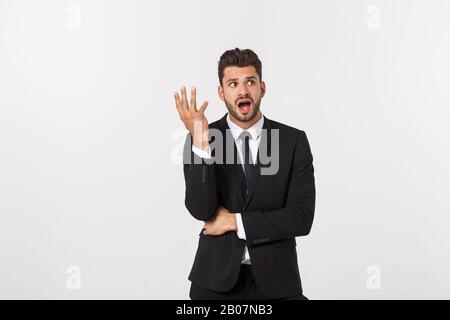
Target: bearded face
x=242 y=92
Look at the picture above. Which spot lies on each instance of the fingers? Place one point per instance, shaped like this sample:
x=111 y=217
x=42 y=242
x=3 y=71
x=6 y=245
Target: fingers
x=184 y=98
x=182 y=103
x=178 y=102
x=203 y=107
x=193 y=99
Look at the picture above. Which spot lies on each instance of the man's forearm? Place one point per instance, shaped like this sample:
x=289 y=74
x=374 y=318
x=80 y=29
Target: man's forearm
x=200 y=179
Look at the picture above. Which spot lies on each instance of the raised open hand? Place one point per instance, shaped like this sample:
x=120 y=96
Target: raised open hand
x=193 y=119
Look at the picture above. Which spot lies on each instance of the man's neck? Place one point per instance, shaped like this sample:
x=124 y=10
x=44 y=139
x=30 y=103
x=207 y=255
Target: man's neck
x=246 y=124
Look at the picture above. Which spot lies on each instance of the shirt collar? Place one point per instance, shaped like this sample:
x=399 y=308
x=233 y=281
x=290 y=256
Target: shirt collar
x=254 y=130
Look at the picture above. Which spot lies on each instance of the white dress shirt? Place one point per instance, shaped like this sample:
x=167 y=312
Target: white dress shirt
x=255 y=133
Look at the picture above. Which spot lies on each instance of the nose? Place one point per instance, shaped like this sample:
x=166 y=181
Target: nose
x=242 y=90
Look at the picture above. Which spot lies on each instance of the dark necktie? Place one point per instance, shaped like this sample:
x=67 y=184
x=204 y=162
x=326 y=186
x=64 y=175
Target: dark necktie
x=249 y=167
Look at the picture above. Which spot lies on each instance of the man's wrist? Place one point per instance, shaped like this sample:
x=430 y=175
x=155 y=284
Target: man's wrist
x=233 y=224
x=201 y=142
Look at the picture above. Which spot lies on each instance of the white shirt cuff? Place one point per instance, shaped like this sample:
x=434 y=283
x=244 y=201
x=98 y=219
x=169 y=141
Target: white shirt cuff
x=202 y=153
x=240 y=227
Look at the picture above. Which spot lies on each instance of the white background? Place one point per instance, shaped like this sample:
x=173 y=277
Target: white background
x=90 y=170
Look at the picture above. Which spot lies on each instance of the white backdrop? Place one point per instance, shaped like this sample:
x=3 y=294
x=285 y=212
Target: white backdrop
x=91 y=185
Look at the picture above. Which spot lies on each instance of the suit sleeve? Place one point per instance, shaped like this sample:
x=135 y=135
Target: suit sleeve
x=200 y=181
x=296 y=217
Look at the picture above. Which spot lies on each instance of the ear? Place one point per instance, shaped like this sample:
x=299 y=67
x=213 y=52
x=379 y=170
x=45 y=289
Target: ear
x=220 y=93
x=263 y=88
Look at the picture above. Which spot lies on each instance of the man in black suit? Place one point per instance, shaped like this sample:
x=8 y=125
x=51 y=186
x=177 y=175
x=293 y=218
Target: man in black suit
x=256 y=204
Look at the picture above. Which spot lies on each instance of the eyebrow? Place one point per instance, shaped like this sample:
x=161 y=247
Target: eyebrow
x=234 y=79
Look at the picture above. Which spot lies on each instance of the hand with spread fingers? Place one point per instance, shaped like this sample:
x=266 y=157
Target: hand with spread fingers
x=193 y=119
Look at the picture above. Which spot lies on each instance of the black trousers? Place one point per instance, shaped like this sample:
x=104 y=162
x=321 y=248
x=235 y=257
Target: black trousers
x=245 y=289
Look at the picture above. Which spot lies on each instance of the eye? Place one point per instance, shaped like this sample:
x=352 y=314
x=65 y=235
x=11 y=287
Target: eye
x=232 y=84
x=250 y=82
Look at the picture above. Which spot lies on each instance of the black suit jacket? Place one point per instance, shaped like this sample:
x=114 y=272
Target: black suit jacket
x=277 y=209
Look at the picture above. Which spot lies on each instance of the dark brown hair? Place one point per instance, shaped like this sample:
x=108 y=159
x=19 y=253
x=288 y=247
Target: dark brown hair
x=239 y=58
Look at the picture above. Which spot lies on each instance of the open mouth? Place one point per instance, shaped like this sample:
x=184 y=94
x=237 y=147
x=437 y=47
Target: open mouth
x=244 y=105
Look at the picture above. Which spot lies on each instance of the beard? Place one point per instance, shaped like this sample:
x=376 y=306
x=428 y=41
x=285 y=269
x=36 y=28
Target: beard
x=233 y=110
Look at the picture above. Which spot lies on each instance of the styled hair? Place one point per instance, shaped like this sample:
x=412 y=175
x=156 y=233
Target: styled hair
x=239 y=58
